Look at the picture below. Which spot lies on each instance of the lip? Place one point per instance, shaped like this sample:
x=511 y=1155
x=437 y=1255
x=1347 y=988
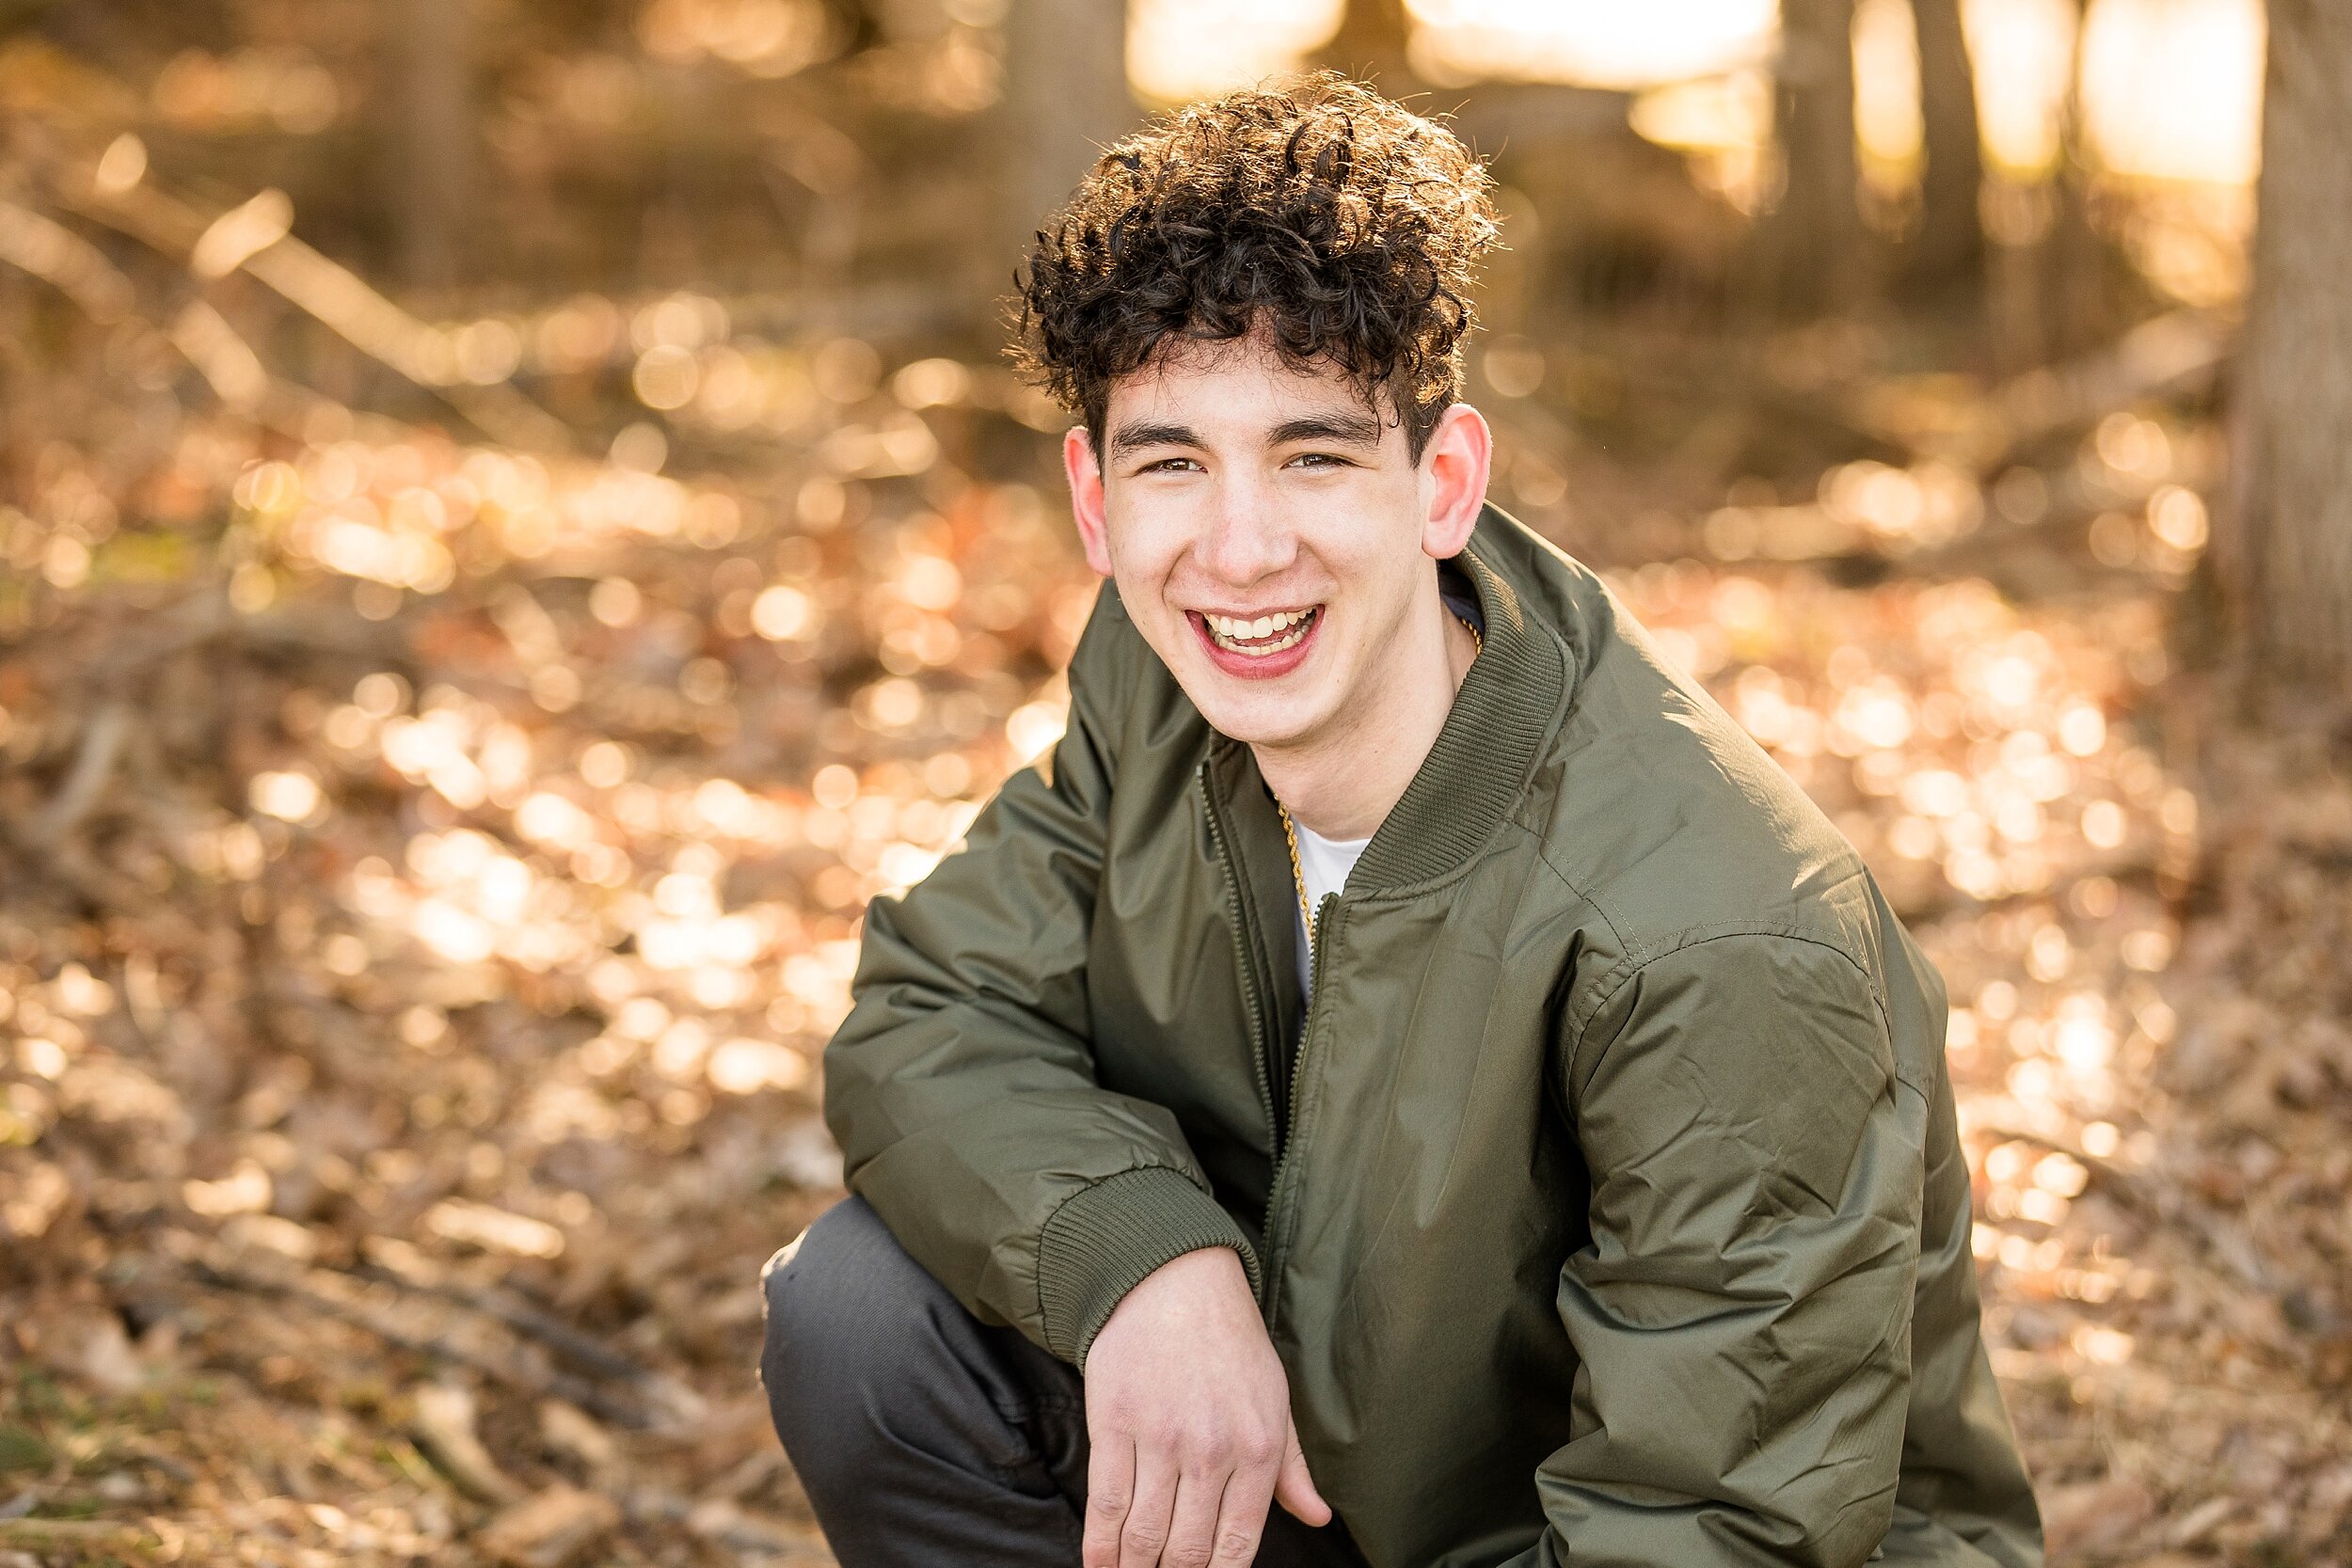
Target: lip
x=1263 y=667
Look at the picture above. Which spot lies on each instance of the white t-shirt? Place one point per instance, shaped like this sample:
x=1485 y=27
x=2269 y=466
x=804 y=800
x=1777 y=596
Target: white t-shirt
x=1327 y=862
x=1324 y=862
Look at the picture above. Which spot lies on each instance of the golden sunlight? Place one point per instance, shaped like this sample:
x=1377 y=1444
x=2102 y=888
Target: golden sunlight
x=2020 y=50
x=1887 y=122
x=2171 y=88
x=1596 y=45
x=1183 y=49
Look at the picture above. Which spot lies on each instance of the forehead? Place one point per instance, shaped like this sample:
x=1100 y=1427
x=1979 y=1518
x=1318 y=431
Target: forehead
x=1239 y=383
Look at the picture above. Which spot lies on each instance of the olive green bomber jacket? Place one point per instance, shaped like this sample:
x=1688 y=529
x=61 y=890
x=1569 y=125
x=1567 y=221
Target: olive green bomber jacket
x=1611 y=1209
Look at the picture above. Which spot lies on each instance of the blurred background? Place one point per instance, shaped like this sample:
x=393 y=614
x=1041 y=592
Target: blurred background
x=513 y=525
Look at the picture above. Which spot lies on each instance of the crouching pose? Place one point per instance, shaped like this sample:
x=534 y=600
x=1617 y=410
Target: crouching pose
x=1405 y=1081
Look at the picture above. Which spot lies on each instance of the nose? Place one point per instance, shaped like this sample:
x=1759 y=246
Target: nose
x=1247 y=538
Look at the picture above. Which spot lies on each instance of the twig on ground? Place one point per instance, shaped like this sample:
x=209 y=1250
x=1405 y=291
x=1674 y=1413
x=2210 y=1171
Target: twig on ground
x=93 y=769
x=658 y=1390
x=72 y=1532
x=445 y=1426
x=723 y=1523
x=321 y=1289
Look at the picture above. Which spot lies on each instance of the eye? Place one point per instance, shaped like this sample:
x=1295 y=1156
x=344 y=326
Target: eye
x=1166 y=466
x=1319 y=459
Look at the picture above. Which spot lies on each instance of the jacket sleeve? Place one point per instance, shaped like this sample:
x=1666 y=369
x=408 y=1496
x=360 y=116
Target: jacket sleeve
x=1743 y=1308
x=962 y=1086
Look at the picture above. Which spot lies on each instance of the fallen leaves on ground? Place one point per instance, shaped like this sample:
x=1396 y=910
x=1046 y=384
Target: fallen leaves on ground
x=430 y=886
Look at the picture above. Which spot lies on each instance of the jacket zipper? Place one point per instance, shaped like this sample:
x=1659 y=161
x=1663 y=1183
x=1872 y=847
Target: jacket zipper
x=1280 y=1192
x=1252 y=1002
x=1285 y=1137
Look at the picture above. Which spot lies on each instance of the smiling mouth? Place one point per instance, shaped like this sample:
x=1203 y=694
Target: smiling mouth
x=1263 y=636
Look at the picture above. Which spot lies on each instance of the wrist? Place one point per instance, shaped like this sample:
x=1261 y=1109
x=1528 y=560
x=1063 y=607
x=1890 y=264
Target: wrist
x=1109 y=1237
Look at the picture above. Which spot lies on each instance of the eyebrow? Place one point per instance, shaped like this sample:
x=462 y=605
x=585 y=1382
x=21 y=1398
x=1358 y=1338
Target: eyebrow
x=1345 y=429
x=1138 y=432
x=1353 y=430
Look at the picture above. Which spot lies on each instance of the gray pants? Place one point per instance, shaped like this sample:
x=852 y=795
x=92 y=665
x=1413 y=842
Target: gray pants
x=926 y=1438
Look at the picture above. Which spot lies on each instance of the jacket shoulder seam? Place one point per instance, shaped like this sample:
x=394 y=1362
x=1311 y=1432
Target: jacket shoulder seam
x=1542 y=855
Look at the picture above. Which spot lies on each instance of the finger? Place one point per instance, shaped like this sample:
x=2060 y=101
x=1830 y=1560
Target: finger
x=1295 y=1489
x=1192 y=1524
x=1146 y=1529
x=1110 y=1487
x=1241 y=1516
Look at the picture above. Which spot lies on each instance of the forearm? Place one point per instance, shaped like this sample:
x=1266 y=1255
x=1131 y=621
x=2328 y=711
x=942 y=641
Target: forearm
x=1049 y=1246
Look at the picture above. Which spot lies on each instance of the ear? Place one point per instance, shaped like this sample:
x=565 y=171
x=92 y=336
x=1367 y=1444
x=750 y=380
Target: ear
x=1086 y=498
x=1454 y=470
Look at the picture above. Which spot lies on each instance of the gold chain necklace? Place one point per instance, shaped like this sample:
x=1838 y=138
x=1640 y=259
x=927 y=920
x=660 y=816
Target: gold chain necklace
x=1290 y=830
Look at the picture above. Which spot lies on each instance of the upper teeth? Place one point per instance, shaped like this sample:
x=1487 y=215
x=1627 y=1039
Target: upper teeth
x=1265 y=625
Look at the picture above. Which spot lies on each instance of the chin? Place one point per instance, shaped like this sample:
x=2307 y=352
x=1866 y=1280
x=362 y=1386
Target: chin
x=1255 y=718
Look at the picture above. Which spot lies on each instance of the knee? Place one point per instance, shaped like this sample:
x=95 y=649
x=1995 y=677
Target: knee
x=839 y=1299
x=835 y=1277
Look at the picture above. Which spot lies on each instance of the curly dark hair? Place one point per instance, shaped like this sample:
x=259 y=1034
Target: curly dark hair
x=1343 y=226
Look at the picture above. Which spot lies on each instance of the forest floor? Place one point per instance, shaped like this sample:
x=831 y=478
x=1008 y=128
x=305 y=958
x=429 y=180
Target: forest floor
x=419 y=927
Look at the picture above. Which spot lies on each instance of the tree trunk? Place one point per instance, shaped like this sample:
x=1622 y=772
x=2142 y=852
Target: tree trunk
x=1065 y=101
x=1813 y=239
x=1371 y=46
x=1949 y=250
x=2080 y=310
x=2288 y=555
x=432 y=136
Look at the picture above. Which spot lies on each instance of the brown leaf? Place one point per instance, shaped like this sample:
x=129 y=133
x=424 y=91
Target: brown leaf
x=551 y=1529
x=2095 y=1515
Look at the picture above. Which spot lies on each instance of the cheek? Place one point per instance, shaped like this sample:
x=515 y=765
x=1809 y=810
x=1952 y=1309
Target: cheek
x=1365 y=534
x=1140 y=568
x=1145 y=549
x=1367 y=568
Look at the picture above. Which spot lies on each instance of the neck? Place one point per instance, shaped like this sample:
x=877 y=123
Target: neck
x=1343 y=782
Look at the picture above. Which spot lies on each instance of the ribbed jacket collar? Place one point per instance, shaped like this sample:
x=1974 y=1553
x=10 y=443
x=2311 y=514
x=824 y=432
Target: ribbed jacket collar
x=1516 y=688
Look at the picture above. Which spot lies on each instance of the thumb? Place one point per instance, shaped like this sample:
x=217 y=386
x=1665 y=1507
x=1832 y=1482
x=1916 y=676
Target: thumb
x=1294 y=1488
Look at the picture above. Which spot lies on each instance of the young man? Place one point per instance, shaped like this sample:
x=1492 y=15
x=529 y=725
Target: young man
x=1408 y=1081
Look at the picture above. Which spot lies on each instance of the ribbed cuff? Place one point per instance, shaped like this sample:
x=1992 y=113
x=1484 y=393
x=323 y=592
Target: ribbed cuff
x=1105 y=1239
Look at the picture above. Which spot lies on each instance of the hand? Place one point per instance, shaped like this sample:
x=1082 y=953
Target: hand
x=1189 y=1415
